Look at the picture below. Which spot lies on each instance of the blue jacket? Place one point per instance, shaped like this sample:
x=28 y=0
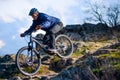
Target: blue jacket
x=45 y=21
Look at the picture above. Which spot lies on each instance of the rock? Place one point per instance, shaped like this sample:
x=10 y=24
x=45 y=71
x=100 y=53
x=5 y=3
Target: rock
x=73 y=28
x=7 y=58
x=108 y=49
x=7 y=67
x=114 y=46
x=77 y=72
x=45 y=58
x=69 y=62
x=78 y=45
x=0 y=59
x=44 y=78
x=102 y=51
x=59 y=65
x=15 y=78
x=117 y=28
x=88 y=32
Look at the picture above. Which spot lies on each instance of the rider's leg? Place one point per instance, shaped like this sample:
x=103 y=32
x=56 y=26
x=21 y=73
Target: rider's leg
x=52 y=48
x=52 y=33
x=45 y=39
x=52 y=40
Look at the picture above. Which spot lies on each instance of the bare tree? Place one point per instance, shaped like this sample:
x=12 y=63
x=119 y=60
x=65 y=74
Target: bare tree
x=106 y=15
x=113 y=14
x=96 y=13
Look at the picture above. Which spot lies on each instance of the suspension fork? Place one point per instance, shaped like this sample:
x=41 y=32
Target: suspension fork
x=30 y=47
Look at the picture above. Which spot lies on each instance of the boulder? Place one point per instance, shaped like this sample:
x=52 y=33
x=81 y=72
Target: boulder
x=76 y=72
x=60 y=64
x=15 y=78
x=7 y=67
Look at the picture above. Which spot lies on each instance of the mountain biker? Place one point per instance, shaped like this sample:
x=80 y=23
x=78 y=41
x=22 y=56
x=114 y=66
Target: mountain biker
x=51 y=25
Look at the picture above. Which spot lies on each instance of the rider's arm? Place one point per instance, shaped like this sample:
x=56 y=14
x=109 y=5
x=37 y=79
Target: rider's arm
x=30 y=30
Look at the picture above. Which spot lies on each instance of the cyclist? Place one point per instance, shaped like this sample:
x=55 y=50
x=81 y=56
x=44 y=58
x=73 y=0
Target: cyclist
x=51 y=25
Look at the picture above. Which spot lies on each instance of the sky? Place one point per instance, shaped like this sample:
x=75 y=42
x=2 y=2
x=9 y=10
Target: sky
x=14 y=17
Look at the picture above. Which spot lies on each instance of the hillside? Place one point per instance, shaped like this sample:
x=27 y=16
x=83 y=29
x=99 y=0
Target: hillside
x=102 y=66
x=96 y=56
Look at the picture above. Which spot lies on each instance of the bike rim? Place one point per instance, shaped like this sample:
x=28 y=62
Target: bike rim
x=26 y=64
x=64 y=46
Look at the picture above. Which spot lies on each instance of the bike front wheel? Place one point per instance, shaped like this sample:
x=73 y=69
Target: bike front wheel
x=64 y=46
x=28 y=61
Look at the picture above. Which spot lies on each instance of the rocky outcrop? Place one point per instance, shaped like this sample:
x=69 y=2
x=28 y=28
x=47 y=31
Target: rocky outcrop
x=108 y=49
x=7 y=66
x=76 y=72
x=89 y=32
x=88 y=67
x=87 y=28
x=93 y=67
x=117 y=28
x=60 y=64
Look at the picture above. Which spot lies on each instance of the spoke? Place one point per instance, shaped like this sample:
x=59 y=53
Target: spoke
x=28 y=62
x=64 y=46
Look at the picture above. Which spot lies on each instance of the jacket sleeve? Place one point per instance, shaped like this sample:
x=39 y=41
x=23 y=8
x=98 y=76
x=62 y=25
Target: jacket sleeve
x=30 y=30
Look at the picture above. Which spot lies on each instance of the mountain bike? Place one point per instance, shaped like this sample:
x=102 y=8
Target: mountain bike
x=28 y=58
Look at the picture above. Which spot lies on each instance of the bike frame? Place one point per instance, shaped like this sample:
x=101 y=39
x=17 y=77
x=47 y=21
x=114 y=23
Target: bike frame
x=36 y=40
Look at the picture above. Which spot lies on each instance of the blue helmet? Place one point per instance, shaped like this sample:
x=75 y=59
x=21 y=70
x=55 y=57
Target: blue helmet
x=32 y=11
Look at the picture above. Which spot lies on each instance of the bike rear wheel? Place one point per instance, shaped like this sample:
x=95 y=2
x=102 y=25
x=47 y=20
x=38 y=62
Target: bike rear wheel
x=64 y=46
x=28 y=61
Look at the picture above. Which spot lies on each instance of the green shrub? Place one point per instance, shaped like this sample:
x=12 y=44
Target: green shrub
x=77 y=54
x=97 y=71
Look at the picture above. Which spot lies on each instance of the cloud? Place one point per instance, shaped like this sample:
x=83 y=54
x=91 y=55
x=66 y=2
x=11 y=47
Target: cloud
x=2 y=44
x=22 y=29
x=103 y=2
x=64 y=9
x=18 y=9
x=96 y=1
x=13 y=9
x=14 y=37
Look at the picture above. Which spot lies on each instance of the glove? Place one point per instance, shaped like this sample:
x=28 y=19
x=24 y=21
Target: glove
x=38 y=27
x=22 y=35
